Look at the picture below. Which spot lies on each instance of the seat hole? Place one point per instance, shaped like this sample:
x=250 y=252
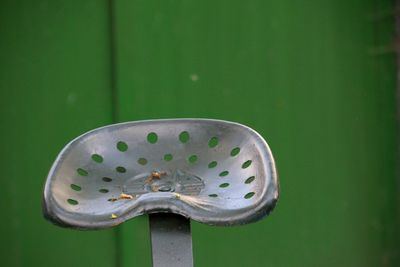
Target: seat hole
x=213 y=142
x=103 y=190
x=97 y=158
x=235 y=151
x=152 y=138
x=192 y=159
x=107 y=179
x=246 y=164
x=142 y=161
x=250 y=179
x=212 y=164
x=122 y=146
x=184 y=137
x=168 y=157
x=224 y=185
x=249 y=195
x=120 y=169
x=224 y=173
x=76 y=187
x=72 y=201
x=213 y=195
x=82 y=172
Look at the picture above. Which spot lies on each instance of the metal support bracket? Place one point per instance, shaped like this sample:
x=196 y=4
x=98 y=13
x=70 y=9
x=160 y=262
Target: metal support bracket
x=171 y=240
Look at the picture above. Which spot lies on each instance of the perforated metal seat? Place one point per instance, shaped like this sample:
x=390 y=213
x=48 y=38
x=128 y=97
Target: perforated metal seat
x=215 y=172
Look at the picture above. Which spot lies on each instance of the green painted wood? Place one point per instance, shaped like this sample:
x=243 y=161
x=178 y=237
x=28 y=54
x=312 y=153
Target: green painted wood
x=54 y=85
x=316 y=79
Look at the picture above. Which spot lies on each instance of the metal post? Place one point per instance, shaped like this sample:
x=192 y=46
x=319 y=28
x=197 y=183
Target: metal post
x=171 y=240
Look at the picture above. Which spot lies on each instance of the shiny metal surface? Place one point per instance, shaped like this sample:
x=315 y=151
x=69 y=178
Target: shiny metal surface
x=215 y=172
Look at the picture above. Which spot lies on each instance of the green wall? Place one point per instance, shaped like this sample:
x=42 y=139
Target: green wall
x=54 y=85
x=315 y=78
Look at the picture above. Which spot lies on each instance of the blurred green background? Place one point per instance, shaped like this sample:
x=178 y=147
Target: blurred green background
x=316 y=78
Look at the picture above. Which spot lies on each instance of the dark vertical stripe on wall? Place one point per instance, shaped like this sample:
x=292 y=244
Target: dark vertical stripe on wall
x=114 y=104
x=113 y=60
x=397 y=49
